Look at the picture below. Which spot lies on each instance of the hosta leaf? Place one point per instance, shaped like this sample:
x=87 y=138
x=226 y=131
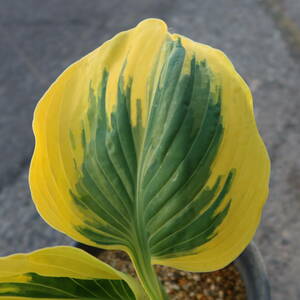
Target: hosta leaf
x=63 y=273
x=149 y=144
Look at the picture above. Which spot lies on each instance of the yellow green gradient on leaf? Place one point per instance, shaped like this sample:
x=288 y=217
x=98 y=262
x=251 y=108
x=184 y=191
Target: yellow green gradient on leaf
x=149 y=144
x=63 y=273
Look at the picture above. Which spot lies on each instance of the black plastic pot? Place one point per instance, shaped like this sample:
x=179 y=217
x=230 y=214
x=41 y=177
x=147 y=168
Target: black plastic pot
x=250 y=264
x=252 y=268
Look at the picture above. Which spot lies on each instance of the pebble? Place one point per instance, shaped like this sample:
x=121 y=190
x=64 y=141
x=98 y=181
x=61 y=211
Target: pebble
x=225 y=284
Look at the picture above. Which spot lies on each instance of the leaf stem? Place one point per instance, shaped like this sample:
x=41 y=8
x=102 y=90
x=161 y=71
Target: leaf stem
x=141 y=259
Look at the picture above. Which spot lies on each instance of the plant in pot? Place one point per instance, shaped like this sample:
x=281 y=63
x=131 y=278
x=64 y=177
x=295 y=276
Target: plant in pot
x=147 y=145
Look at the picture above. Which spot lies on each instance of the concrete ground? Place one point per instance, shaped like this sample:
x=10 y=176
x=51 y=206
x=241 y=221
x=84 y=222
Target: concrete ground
x=39 y=39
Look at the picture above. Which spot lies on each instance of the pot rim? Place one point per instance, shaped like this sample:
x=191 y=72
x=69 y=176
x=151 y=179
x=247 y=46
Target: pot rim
x=253 y=271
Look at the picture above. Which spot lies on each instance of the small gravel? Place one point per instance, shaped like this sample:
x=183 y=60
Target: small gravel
x=225 y=284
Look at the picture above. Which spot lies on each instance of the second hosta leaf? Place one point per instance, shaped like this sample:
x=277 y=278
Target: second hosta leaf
x=63 y=273
x=149 y=144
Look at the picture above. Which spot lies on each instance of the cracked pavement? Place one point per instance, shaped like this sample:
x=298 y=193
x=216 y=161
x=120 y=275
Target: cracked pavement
x=40 y=39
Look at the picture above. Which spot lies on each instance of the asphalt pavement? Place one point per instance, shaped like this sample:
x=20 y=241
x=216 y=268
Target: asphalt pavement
x=39 y=39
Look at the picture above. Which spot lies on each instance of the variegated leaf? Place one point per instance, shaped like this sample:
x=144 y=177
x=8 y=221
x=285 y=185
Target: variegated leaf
x=149 y=144
x=63 y=273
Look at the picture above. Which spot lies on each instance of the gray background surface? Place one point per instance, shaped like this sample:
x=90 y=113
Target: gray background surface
x=39 y=39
